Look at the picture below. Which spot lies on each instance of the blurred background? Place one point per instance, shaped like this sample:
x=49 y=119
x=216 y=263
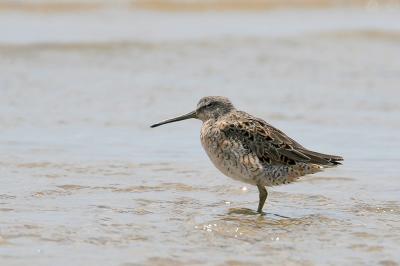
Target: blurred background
x=85 y=181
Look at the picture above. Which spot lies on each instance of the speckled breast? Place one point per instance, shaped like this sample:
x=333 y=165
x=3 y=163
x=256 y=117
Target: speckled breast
x=227 y=155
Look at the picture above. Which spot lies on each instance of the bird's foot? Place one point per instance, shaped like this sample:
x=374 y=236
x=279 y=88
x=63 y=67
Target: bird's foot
x=261 y=213
x=243 y=211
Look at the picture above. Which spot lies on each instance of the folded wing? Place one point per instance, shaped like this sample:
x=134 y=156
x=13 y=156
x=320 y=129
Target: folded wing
x=270 y=144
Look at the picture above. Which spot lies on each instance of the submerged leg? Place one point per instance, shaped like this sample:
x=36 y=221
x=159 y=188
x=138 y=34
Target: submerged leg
x=263 y=197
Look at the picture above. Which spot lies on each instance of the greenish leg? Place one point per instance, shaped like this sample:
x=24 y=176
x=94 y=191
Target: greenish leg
x=263 y=197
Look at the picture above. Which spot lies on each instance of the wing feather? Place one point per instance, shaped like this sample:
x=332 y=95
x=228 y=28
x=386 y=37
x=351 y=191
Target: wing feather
x=270 y=144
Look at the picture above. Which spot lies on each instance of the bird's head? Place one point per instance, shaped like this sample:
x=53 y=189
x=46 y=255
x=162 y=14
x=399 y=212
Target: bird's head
x=210 y=107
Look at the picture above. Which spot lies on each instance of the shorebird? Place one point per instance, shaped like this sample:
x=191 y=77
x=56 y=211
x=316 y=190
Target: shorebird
x=248 y=149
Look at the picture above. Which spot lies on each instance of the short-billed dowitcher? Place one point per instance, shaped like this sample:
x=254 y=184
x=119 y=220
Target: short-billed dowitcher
x=249 y=149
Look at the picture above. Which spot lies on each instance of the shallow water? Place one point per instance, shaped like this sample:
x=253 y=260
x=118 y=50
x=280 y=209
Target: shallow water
x=84 y=180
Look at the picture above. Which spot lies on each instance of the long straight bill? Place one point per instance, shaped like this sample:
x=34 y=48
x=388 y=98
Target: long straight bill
x=176 y=119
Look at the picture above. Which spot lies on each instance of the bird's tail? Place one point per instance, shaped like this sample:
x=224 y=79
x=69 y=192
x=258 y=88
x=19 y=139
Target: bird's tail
x=321 y=158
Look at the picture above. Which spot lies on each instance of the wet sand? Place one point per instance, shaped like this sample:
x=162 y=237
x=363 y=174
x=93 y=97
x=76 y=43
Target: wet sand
x=84 y=180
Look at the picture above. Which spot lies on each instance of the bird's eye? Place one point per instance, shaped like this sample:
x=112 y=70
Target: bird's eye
x=209 y=104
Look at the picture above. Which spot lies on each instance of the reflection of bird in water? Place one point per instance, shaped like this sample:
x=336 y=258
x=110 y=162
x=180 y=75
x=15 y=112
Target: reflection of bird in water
x=249 y=149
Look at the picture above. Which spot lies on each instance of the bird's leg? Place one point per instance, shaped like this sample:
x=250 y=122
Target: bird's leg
x=263 y=197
